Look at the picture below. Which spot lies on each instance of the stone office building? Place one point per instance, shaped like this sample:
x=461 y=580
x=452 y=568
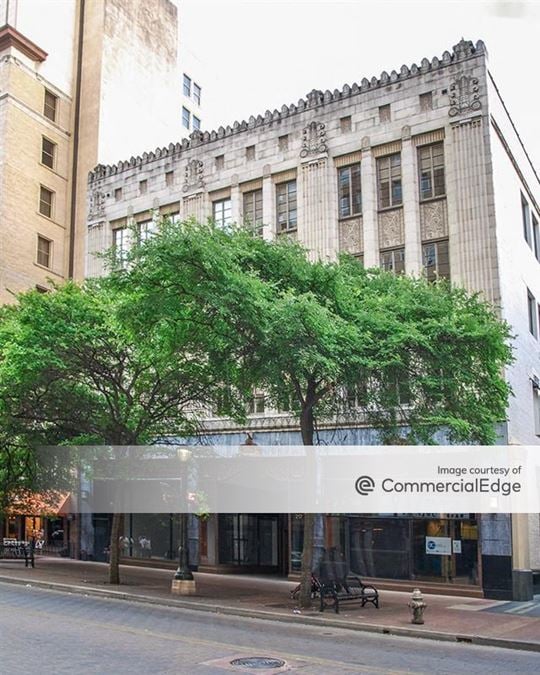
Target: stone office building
x=419 y=171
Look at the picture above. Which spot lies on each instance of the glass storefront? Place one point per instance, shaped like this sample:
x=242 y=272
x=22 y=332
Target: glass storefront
x=429 y=547
x=432 y=548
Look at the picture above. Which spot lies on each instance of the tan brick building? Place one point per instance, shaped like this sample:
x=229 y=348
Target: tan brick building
x=65 y=86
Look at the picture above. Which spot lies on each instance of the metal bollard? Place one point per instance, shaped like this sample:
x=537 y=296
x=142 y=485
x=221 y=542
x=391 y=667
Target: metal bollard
x=417 y=606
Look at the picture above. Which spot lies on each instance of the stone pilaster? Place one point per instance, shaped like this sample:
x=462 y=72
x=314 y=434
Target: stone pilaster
x=471 y=228
x=411 y=211
x=369 y=207
x=314 y=230
x=196 y=206
x=269 y=205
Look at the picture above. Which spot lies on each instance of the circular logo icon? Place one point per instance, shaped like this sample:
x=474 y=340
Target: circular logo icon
x=364 y=485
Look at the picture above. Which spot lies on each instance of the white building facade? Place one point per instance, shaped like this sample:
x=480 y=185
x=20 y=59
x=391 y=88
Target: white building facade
x=419 y=171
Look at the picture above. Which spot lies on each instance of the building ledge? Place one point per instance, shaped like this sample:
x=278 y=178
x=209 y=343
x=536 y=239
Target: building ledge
x=10 y=37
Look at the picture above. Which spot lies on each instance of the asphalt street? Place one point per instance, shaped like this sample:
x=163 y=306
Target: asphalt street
x=45 y=631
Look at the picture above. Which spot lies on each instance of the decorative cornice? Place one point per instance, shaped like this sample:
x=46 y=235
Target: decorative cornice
x=315 y=99
x=10 y=37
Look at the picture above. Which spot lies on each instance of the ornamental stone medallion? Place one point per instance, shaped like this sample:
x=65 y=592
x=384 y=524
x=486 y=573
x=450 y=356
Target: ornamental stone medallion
x=193 y=176
x=464 y=95
x=314 y=139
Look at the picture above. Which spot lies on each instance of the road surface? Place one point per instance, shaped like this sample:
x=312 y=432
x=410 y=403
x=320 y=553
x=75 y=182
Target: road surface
x=45 y=631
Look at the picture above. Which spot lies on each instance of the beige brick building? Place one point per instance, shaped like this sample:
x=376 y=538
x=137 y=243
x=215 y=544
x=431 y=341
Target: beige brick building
x=65 y=85
x=419 y=170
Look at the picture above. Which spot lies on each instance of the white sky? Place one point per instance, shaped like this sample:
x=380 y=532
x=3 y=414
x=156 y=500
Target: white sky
x=260 y=54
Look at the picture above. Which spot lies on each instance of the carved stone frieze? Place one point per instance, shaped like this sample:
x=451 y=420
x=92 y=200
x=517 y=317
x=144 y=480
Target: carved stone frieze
x=193 y=176
x=433 y=220
x=391 y=228
x=464 y=96
x=351 y=235
x=314 y=139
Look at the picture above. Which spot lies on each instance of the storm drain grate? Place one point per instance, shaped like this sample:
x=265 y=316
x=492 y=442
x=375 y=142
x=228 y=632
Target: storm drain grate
x=258 y=662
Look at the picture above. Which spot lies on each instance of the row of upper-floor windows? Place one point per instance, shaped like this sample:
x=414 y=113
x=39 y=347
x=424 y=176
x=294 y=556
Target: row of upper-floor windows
x=531 y=228
x=389 y=189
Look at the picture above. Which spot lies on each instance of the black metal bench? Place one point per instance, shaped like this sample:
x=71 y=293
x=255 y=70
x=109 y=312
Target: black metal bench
x=339 y=585
x=13 y=549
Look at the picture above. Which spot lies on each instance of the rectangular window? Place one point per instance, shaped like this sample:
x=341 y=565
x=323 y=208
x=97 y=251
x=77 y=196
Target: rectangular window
x=526 y=217
x=146 y=229
x=431 y=171
x=384 y=113
x=220 y=162
x=196 y=93
x=186 y=117
x=345 y=124
x=536 y=237
x=48 y=153
x=221 y=211
x=143 y=187
x=169 y=178
x=44 y=249
x=253 y=210
x=283 y=143
x=187 y=85
x=250 y=153
x=349 y=191
x=256 y=405
x=436 y=260
x=120 y=244
x=389 y=181
x=50 y=105
x=196 y=123
x=393 y=261
x=426 y=101
x=118 y=195
x=531 y=308
x=287 y=216
x=46 y=201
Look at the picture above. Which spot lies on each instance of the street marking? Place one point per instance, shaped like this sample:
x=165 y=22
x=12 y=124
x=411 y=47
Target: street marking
x=521 y=609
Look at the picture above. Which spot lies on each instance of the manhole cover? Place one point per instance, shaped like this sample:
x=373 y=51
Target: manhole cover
x=260 y=662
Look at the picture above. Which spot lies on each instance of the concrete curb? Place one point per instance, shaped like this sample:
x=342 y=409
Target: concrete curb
x=244 y=612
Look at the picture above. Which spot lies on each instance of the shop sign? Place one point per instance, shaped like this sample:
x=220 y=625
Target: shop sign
x=438 y=545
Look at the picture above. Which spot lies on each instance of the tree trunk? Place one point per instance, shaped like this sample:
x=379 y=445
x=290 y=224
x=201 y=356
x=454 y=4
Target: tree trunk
x=307 y=429
x=114 y=548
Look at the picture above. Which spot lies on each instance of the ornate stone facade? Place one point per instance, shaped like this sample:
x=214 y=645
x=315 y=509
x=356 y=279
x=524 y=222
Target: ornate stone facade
x=391 y=228
x=351 y=236
x=464 y=95
x=314 y=139
x=434 y=220
x=193 y=176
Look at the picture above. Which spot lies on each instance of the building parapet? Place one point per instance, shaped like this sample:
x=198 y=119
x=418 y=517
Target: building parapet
x=464 y=50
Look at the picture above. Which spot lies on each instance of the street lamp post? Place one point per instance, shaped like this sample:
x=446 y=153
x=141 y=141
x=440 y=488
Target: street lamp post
x=183 y=582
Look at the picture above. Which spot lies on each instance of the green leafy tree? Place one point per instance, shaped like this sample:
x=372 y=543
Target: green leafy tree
x=74 y=370
x=421 y=357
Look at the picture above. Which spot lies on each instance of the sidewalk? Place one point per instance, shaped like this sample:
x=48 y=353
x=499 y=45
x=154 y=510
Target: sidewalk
x=447 y=617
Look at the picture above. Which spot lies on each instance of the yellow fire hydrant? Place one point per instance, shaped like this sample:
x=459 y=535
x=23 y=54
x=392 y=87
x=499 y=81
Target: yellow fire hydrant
x=417 y=606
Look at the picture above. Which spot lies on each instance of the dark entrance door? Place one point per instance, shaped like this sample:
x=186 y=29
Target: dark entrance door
x=252 y=541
